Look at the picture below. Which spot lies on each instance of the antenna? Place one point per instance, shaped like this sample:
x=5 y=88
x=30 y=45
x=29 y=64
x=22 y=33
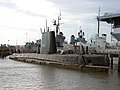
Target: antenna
x=46 y=24
x=57 y=24
x=98 y=19
x=111 y=32
x=59 y=18
x=60 y=12
x=41 y=30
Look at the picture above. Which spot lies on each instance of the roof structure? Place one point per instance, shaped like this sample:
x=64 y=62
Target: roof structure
x=109 y=17
x=112 y=18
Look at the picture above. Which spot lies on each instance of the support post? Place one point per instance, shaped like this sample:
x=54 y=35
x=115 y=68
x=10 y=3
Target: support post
x=87 y=50
x=83 y=50
x=84 y=63
x=119 y=61
x=111 y=56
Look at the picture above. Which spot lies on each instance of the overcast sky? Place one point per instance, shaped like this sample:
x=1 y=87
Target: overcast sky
x=21 y=20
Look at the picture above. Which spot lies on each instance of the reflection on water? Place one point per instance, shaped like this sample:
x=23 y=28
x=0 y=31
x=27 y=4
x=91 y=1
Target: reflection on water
x=23 y=76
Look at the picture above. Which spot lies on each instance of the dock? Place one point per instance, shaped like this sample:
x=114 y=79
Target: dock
x=112 y=53
x=4 y=51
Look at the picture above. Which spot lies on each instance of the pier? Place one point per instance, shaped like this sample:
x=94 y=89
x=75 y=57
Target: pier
x=4 y=51
x=114 y=56
x=112 y=53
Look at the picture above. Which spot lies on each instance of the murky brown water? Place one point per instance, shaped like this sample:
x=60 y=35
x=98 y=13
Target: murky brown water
x=23 y=76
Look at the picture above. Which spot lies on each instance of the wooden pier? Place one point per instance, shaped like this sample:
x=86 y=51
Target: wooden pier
x=112 y=53
x=115 y=56
x=4 y=51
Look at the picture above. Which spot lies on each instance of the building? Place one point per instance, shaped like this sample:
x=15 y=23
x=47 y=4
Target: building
x=113 y=19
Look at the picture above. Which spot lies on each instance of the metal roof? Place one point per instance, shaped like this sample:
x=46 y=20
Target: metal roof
x=116 y=35
x=107 y=16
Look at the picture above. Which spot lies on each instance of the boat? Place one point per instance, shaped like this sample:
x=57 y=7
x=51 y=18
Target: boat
x=53 y=51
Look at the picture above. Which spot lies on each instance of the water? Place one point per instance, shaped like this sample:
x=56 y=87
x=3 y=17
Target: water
x=24 y=76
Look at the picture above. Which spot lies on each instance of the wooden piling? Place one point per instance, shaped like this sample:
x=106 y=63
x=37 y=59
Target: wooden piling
x=119 y=61
x=83 y=50
x=87 y=50
x=84 y=63
x=111 y=56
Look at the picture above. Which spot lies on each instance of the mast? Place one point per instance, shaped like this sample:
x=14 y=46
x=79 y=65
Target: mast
x=57 y=24
x=98 y=19
x=46 y=24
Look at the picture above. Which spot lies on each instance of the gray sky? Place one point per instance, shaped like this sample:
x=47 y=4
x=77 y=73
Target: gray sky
x=21 y=20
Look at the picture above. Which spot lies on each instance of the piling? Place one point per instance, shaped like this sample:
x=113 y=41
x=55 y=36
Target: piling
x=87 y=50
x=83 y=50
x=111 y=56
x=119 y=61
